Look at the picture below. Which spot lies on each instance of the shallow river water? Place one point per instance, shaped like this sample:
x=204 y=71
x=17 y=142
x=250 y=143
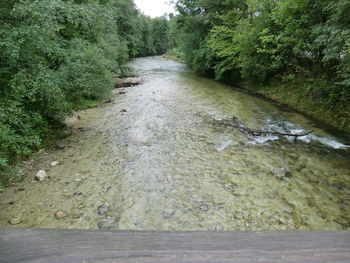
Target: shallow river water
x=156 y=159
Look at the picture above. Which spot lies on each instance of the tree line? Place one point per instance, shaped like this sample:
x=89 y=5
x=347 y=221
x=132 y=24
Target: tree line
x=55 y=55
x=296 y=51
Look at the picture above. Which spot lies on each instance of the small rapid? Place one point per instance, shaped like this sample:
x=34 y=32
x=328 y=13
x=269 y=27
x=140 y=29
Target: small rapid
x=156 y=160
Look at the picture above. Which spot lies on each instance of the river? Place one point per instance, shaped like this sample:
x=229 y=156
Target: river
x=156 y=159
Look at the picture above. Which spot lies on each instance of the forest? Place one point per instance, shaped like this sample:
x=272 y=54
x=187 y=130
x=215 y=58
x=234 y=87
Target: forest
x=57 y=56
x=294 y=51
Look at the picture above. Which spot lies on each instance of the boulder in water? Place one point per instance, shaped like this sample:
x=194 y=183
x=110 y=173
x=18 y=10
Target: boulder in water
x=41 y=175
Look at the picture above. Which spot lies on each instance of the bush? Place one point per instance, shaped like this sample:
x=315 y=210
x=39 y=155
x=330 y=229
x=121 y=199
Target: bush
x=56 y=55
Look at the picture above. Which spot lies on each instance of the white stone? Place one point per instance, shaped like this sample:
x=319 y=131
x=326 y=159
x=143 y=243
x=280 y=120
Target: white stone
x=70 y=121
x=53 y=164
x=15 y=221
x=40 y=176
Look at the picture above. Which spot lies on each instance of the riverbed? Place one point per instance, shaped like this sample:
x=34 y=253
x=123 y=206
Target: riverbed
x=156 y=158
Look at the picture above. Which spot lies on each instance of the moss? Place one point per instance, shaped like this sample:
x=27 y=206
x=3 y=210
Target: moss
x=87 y=104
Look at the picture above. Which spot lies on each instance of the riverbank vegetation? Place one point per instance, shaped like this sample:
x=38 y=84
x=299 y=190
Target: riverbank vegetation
x=57 y=55
x=294 y=51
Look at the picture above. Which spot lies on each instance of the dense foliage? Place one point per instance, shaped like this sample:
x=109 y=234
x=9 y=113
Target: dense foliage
x=299 y=48
x=54 y=54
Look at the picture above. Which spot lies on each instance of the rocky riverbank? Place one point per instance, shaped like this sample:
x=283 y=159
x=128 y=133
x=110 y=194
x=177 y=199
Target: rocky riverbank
x=152 y=159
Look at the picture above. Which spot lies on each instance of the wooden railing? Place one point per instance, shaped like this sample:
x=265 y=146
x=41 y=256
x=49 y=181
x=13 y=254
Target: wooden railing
x=48 y=245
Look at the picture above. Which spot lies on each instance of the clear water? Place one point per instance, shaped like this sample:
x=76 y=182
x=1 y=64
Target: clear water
x=165 y=165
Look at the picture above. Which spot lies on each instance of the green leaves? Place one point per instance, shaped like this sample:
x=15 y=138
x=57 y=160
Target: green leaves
x=54 y=54
x=269 y=41
x=160 y=27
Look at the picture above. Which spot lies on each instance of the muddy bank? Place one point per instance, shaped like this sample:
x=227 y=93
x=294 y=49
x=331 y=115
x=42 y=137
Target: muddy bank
x=154 y=160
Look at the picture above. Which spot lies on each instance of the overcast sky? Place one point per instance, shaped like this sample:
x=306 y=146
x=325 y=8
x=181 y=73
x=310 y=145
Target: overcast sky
x=154 y=8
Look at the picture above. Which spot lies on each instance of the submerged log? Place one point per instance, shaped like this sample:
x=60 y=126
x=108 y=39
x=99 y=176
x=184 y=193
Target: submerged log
x=236 y=123
x=127 y=82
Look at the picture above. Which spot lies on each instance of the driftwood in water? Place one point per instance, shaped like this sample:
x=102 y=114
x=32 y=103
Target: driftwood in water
x=127 y=82
x=236 y=123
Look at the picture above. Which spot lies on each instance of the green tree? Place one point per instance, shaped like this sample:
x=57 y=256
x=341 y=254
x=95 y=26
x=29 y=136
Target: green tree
x=54 y=55
x=160 y=27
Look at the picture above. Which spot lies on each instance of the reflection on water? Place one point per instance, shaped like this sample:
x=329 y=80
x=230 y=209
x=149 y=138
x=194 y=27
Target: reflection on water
x=166 y=166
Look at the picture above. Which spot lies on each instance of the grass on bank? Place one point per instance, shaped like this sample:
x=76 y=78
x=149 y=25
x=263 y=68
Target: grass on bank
x=87 y=104
x=175 y=54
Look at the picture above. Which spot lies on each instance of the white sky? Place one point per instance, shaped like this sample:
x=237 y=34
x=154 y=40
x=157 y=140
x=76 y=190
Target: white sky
x=154 y=8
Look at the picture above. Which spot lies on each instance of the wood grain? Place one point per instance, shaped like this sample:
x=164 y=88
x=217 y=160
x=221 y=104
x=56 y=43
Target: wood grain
x=48 y=245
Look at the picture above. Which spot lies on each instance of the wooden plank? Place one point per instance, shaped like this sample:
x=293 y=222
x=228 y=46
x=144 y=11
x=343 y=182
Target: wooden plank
x=46 y=245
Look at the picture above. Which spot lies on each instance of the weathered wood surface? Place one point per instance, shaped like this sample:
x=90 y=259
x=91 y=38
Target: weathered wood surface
x=32 y=245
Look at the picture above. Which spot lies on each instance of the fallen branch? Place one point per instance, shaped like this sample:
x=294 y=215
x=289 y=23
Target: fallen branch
x=127 y=82
x=235 y=123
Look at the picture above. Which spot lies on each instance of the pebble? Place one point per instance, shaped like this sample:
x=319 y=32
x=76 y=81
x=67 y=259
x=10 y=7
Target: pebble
x=60 y=214
x=109 y=223
x=204 y=207
x=169 y=213
x=103 y=210
x=79 y=216
x=40 y=176
x=77 y=180
x=60 y=146
x=230 y=187
x=53 y=164
x=106 y=188
x=282 y=173
x=15 y=221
